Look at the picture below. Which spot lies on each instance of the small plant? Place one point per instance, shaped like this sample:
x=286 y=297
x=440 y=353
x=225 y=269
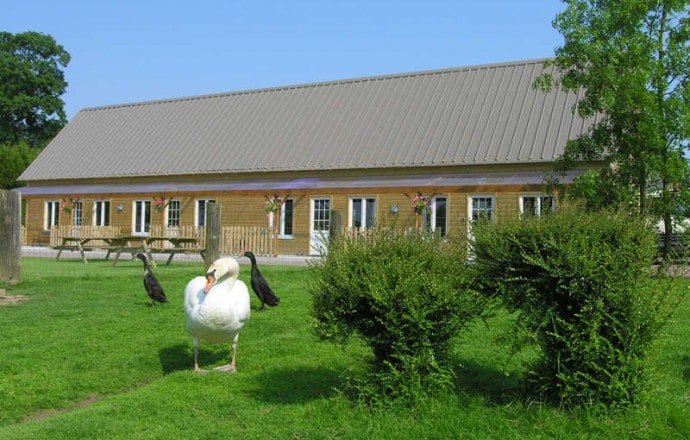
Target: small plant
x=583 y=287
x=406 y=296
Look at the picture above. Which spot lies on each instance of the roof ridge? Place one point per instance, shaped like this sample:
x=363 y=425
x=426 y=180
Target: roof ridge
x=320 y=84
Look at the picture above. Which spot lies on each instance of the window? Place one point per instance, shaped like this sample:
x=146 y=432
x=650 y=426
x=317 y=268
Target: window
x=439 y=215
x=173 y=212
x=536 y=205
x=77 y=213
x=321 y=215
x=481 y=208
x=201 y=211
x=52 y=214
x=101 y=213
x=141 y=223
x=436 y=218
x=362 y=213
x=286 y=218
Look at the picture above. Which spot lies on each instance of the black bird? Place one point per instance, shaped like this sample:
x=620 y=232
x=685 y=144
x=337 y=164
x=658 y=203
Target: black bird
x=260 y=285
x=153 y=287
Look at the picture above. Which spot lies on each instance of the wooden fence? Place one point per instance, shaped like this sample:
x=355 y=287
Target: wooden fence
x=235 y=240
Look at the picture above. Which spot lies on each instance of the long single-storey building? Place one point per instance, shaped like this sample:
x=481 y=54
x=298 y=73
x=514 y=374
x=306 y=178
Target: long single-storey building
x=460 y=143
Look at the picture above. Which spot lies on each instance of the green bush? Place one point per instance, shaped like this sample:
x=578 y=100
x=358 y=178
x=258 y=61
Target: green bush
x=406 y=296
x=583 y=287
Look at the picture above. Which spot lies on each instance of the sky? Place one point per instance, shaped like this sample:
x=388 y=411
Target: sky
x=131 y=51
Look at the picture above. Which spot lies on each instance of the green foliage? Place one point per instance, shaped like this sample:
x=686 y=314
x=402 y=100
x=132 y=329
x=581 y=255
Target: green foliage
x=406 y=296
x=628 y=60
x=14 y=159
x=31 y=83
x=584 y=290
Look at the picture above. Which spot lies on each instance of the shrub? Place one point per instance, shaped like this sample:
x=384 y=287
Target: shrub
x=406 y=296
x=583 y=287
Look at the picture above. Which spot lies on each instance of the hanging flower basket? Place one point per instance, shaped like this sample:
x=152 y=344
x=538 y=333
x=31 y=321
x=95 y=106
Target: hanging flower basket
x=421 y=204
x=273 y=204
x=67 y=205
x=160 y=203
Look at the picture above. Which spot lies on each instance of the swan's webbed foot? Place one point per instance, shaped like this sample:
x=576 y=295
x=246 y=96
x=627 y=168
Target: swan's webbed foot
x=200 y=370
x=229 y=368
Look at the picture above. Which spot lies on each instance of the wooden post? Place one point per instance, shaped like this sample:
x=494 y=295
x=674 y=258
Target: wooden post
x=213 y=228
x=276 y=232
x=10 y=236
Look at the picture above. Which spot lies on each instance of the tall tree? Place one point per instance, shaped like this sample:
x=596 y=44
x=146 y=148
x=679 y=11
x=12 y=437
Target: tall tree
x=31 y=108
x=31 y=83
x=631 y=61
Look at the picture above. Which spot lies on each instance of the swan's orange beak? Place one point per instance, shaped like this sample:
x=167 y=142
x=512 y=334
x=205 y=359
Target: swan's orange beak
x=210 y=280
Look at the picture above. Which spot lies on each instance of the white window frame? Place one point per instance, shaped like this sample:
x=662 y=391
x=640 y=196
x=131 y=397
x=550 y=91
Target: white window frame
x=99 y=208
x=282 y=233
x=178 y=209
x=433 y=212
x=141 y=223
x=78 y=213
x=471 y=212
x=51 y=214
x=197 y=205
x=364 y=200
x=539 y=199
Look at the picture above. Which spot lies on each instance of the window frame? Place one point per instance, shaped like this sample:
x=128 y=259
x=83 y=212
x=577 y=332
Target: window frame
x=470 y=207
x=78 y=213
x=539 y=198
x=197 y=210
x=174 y=206
x=51 y=214
x=101 y=208
x=146 y=226
x=284 y=219
x=366 y=204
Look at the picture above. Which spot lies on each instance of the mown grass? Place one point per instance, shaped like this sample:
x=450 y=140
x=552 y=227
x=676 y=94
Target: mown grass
x=86 y=356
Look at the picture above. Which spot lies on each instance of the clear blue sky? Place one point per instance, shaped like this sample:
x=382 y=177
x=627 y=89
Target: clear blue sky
x=130 y=51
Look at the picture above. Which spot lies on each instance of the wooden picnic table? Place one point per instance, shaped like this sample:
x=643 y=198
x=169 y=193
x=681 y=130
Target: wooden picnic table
x=132 y=244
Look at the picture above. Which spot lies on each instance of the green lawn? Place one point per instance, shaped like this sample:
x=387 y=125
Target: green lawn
x=86 y=356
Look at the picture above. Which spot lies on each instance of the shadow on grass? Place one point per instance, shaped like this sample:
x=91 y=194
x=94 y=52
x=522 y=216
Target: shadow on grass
x=686 y=367
x=488 y=383
x=290 y=385
x=181 y=357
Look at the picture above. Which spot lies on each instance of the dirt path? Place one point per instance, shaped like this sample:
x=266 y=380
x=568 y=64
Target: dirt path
x=10 y=299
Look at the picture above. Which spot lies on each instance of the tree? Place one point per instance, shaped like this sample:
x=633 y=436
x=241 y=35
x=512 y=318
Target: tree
x=31 y=83
x=31 y=110
x=14 y=159
x=630 y=60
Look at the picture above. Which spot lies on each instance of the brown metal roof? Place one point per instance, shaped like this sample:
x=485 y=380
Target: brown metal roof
x=477 y=115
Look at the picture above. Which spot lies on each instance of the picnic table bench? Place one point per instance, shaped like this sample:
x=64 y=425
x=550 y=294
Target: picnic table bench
x=132 y=244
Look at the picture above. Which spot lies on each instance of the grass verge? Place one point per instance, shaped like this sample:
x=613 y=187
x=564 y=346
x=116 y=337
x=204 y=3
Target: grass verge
x=86 y=356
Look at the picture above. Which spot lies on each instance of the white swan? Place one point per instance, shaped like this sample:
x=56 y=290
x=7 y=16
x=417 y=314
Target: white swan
x=217 y=307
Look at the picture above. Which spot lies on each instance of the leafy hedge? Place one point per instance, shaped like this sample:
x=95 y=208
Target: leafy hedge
x=583 y=287
x=406 y=296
